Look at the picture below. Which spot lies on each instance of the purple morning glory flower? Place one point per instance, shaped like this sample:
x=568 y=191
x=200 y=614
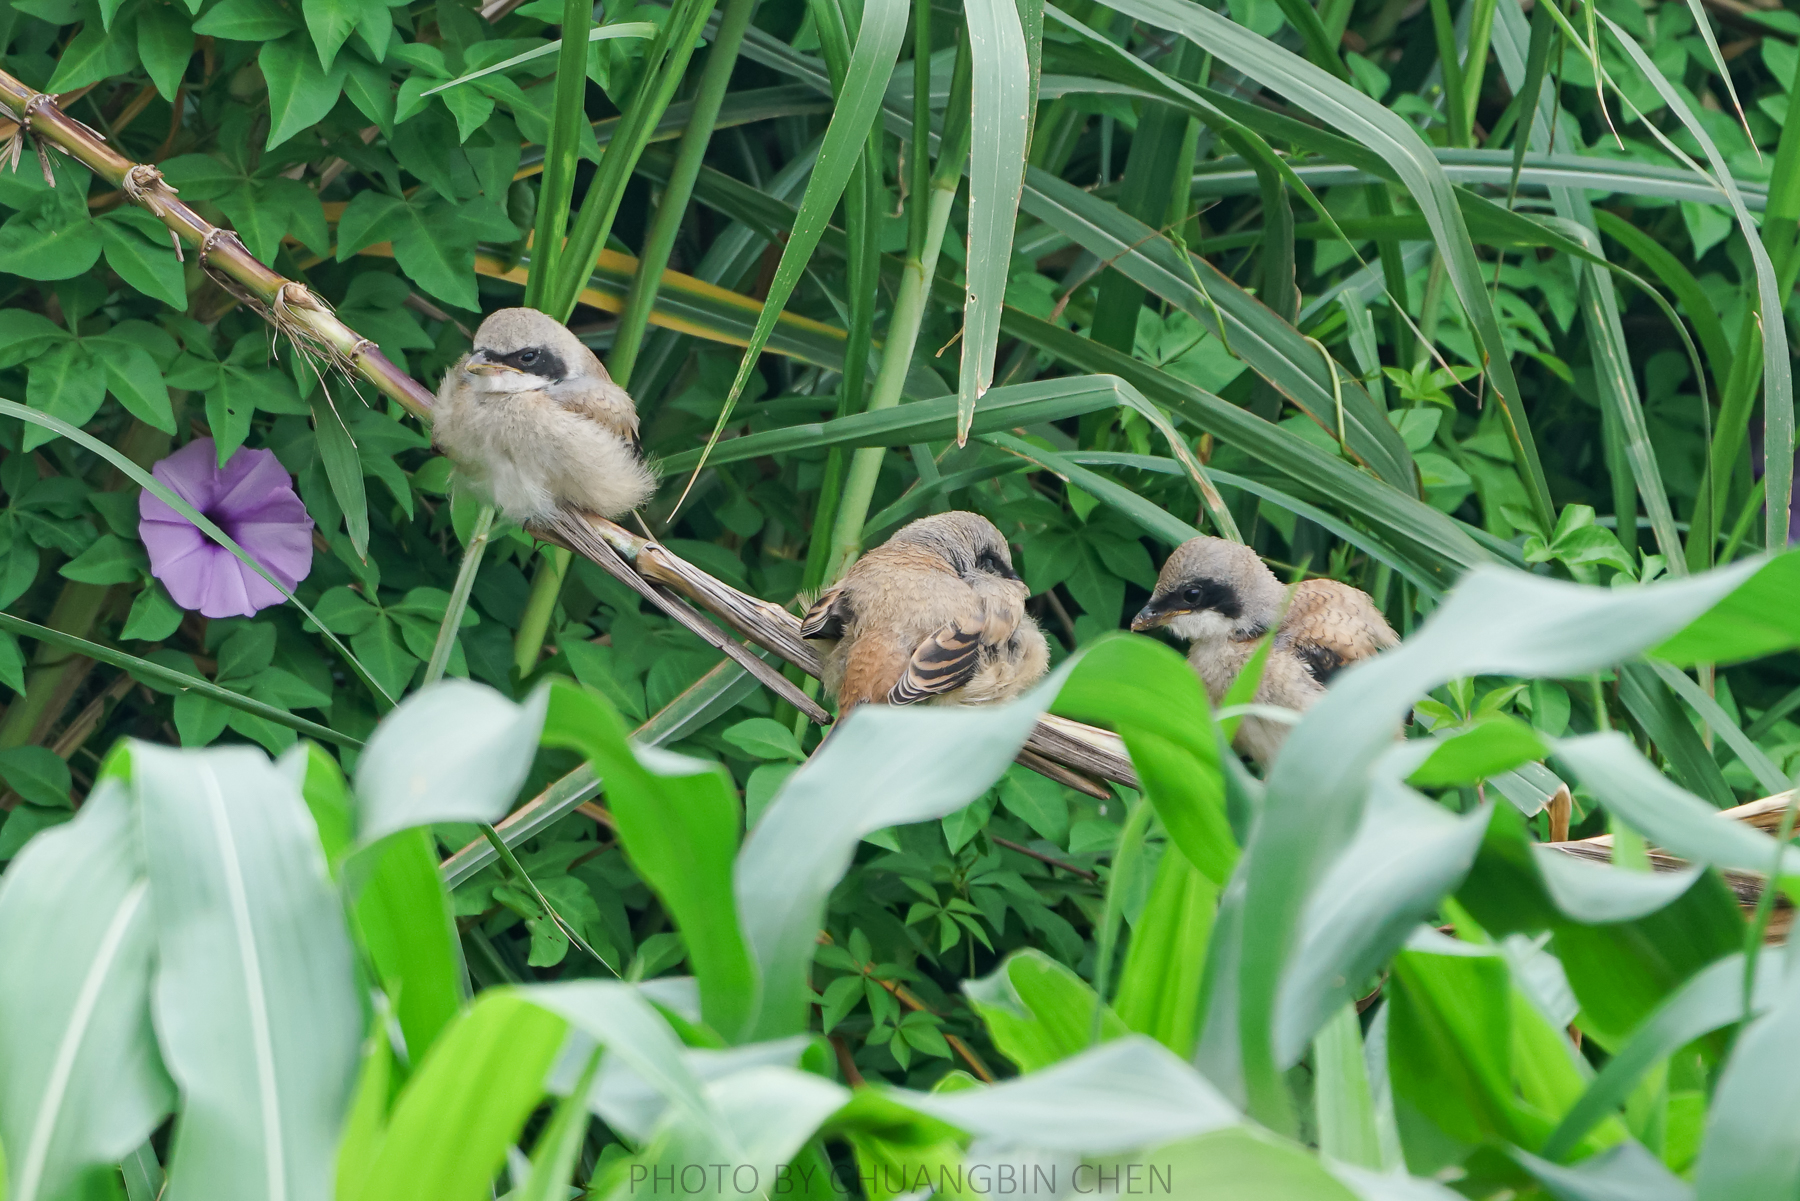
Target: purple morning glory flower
x=252 y=499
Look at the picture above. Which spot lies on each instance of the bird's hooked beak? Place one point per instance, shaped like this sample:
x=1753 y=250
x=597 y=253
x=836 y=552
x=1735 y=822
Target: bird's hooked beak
x=479 y=364
x=1150 y=616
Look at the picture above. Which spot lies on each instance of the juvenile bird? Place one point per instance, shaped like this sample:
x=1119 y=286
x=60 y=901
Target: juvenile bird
x=533 y=421
x=936 y=613
x=1218 y=597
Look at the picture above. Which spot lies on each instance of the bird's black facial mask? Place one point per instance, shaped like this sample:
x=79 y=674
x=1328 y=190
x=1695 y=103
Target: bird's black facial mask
x=991 y=563
x=538 y=361
x=1191 y=596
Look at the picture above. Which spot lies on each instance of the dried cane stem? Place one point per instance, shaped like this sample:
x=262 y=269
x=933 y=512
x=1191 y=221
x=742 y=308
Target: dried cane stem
x=292 y=305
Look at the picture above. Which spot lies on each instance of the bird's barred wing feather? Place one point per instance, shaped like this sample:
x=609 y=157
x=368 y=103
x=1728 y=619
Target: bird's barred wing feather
x=1330 y=625
x=827 y=616
x=943 y=662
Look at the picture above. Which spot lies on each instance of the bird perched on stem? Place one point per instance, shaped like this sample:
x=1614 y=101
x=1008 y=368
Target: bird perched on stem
x=533 y=421
x=935 y=613
x=1220 y=599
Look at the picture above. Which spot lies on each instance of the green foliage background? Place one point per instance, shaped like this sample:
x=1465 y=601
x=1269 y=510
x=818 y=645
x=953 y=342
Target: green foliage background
x=1279 y=274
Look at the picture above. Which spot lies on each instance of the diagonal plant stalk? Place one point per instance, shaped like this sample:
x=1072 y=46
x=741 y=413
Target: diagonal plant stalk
x=459 y=595
x=715 y=78
x=434 y=671
x=540 y=607
x=517 y=872
x=145 y=669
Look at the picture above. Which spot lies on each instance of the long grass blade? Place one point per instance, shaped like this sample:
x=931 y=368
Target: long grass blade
x=599 y=33
x=872 y=63
x=999 y=128
x=1778 y=379
x=169 y=677
x=1342 y=107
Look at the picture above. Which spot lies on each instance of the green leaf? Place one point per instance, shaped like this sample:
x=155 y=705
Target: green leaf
x=1747 y=623
x=1493 y=745
x=1346 y=1107
x=678 y=821
x=471 y=108
x=12 y=664
x=85 y=1081
x=132 y=377
x=110 y=560
x=331 y=22
x=36 y=773
x=762 y=738
x=404 y=918
x=301 y=91
x=1152 y=698
x=1449 y=1042
x=1711 y=999
x=66 y=383
x=165 y=44
x=1748 y=1152
x=908 y=763
x=137 y=247
x=91 y=56
x=343 y=468
x=367 y=85
x=1160 y=985
x=1001 y=97
x=1407 y=854
x=456 y=751
x=230 y=406
x=259 y=1021
x=1671 y=817
x=478 y=1084
x=1040 y=803
x=48 y=244
x=1038 y=1012
x=247 y=21
x=25 y=334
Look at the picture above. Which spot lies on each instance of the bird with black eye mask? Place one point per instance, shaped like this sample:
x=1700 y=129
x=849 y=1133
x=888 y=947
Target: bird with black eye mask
x=534 y=423
x=1220 y=599
x=936 y=613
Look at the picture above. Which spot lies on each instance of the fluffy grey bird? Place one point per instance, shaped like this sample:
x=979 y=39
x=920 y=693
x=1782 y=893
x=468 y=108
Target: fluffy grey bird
x=533 y=421
x=935 y=613
x=1220 y=599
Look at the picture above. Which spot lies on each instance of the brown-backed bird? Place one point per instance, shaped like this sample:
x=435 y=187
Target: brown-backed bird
x=534 y=423
x=1220 y=599
x=936 y=613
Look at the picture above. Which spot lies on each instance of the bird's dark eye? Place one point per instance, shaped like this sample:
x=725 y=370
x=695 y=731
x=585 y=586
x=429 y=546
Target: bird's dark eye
x=1191 y=596
x=527 y=357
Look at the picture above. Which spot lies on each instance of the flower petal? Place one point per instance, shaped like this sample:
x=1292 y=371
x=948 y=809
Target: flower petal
x=284 y=548
x=252 y=481
x=191 y=473
x=252 y=499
